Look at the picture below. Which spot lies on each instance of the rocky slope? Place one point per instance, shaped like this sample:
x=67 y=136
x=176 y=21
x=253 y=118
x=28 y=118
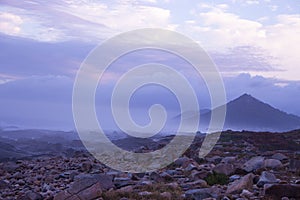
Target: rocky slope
x=243 y=165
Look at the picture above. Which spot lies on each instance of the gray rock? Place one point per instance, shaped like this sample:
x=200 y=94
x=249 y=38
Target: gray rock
x=254 y=164
x=214 y=159
x=203 y=193
x=294 y=165
x=280 y=156
x=272 y=164
x=228 y=160
x=155 y=177
x=3 y=184
x=10 y=167
x=234 y=177
x=277 y=191
x=182 y=162
x=198 y=194
x=193 y=185
x=31 y=196
x=237 y=186
x=92 y=192
x=226 y=169
x=266 y=178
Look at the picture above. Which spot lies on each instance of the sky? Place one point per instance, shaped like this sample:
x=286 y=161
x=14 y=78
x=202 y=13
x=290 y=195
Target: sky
x=254 y=45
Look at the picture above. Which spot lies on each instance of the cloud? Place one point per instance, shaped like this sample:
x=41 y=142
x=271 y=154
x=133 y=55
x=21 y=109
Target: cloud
x=85 y=20
x=10 y=24
x=23 y=57
x=218 y=30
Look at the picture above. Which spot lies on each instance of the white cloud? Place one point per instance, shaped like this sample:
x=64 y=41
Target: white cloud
x=10 y=24
x=218 y=30
x=82 y=19
x=251 y=2
x=273 y=7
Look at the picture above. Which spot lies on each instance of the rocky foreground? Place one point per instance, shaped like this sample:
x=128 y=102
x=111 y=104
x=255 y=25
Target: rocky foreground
x=243 y=165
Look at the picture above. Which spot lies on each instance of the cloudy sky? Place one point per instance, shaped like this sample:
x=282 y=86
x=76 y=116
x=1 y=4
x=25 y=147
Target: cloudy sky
x=255 y=45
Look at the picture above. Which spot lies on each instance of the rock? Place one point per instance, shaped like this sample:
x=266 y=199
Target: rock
x=155 y=177
x=145 y=193
x=10 y=167
x=31 y=196
x=254 y=164
x=122 y=182
x=190 y=167
x=228 y=160
x=266 y=178
x=105 y=180
x=81 y=184
x=272 y=164
x=237 y=186
x=234 y=177
x=247 y=194
x=62 y=195
x=166 y=195
x=280 y=157
x=226 y=169
x=294 y=166
x=193 y=185
x=86 y=167
x=182 y=162
x=92 y=192
x=214 y=159
x=199 y=175
x=166 y=176
x=198 y=194
x=277 y=191
x=3 y=184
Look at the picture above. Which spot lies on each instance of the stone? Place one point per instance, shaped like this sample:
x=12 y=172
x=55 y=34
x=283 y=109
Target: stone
x=92 y=192
x=62 y=195
x=247 y=194
x=228 y=160
x=294 y=166
x=3 y=184
x=33 y=196
x=145 y=193
x=155 y=177
x=277 y=191
x=280 y=157
x=234 y=177
x=272 y=164
x=86 y=167
x=105 y=180
x=197 y=194
x=226 y=169
x=254 y=164
x=193 y=185
x=10 y=167
x=237 y=186
x=266 y=178
x=214 y=159
x=166 y=195
x=190 y=167
x=182 y=162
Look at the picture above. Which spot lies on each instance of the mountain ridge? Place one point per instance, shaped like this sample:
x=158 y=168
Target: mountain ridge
x=249 y=113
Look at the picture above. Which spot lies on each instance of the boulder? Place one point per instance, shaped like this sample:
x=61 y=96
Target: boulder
x=278 y=191
x=182 y=162
x=254 y=164
x=272 y=164
x=280 y=157
x=227 y=169
x=228 y=160
x=238 y=186
x=294 y=165
x=266 y=178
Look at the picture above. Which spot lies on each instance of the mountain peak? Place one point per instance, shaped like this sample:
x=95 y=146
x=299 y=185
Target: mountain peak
x=246 y=98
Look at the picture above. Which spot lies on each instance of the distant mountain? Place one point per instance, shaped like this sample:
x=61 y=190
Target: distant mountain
x=249 y=113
